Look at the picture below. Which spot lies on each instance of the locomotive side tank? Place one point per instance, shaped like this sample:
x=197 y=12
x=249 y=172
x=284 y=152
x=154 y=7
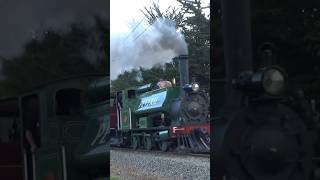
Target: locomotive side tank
x=168 y=101
x=93 y=151
x=151 y=103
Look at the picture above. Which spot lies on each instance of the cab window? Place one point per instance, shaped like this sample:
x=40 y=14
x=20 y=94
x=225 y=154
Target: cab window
x=69 y=101
x=131 y=93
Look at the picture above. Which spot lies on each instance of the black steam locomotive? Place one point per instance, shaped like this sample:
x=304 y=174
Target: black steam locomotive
x=267 y=128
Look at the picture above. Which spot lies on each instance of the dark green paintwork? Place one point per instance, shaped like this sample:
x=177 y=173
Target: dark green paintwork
x=145 y=122
x=72 y=132
x=141 y=118
x=93 y=151
x=94 y=147
x=128 y=105
x=48 y=163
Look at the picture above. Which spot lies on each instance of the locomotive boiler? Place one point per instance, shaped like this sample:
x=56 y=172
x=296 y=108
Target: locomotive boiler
x=152 y=117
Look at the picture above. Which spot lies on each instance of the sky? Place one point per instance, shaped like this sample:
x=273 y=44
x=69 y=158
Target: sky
x=134 y=43
x=124 y=12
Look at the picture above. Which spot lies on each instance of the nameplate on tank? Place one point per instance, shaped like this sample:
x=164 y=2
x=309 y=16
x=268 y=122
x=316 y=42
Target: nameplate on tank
x=153 y=101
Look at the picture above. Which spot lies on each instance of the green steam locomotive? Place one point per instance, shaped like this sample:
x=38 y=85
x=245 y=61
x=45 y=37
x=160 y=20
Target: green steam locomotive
x=57 y=131
x=155 y=117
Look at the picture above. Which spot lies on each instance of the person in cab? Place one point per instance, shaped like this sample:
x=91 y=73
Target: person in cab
x=164 y=84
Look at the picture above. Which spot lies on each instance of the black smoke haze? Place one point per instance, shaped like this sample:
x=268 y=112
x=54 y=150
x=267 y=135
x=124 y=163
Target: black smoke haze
x=23 y=20
x=157 y=45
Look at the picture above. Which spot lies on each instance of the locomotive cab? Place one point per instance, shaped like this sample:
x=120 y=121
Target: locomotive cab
x=57 y=113
x=42 y=131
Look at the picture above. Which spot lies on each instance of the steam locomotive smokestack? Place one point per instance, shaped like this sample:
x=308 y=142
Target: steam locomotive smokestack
x=238 y=58
x=237 y=45
x=183 y=69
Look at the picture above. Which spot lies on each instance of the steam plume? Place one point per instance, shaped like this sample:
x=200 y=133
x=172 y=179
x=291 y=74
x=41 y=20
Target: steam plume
x=157 y=45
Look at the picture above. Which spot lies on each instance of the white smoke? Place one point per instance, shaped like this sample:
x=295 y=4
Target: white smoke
x=157 y=45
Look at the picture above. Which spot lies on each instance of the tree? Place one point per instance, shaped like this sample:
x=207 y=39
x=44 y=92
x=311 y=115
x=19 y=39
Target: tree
x=142 y=76
x=153 y=12
x=51 y=56
x=292 y=26
x=196 y=29
x=195 y=26
x=125 y=80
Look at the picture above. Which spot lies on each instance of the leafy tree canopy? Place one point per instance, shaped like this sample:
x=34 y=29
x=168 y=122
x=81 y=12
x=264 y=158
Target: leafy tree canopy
x=191 y=20
x=53 y=55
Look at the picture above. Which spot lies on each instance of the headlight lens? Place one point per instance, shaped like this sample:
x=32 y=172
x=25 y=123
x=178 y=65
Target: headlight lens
x=274 y=81
x=195 y=87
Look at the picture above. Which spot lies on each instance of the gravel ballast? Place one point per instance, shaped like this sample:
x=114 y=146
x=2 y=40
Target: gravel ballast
x=152 y=165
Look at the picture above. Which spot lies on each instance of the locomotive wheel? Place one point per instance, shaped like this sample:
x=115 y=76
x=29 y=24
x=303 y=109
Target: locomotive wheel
x=135 y=142
x=147 y=143
x=266 y=141
x=164 y=146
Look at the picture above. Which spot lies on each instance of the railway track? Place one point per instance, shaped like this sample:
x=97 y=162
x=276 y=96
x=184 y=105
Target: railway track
x=169 y=153
x=141 y=164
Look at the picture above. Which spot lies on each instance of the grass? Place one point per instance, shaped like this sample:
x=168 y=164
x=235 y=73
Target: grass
x=114 y=178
